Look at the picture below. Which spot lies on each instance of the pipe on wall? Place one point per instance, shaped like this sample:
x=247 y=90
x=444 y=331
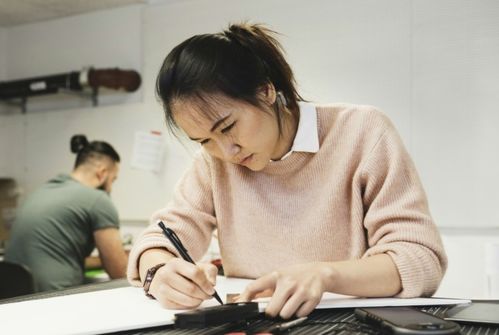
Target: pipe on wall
x=114 y=78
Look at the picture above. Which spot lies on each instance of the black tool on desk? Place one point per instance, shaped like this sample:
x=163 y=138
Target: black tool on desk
x=170 y=234
x=217 y=315
x=405 y=320
x=285 y=326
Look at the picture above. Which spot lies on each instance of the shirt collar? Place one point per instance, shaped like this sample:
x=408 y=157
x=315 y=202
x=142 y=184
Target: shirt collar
x=307 y=135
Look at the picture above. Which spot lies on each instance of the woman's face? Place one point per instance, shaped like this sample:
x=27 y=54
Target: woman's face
x=237 y=132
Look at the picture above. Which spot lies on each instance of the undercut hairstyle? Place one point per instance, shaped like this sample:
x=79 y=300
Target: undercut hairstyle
x=86 y=151
x=237 y=63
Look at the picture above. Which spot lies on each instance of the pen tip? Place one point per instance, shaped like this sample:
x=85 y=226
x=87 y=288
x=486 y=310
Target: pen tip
x=217 y=297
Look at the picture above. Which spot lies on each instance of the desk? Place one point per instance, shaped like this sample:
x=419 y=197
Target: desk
x=346 y=322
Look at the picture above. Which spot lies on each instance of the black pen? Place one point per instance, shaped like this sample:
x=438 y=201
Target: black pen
x=170 y=234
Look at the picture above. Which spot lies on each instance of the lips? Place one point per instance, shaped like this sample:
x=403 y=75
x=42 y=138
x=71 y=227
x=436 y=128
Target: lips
x=246 y=159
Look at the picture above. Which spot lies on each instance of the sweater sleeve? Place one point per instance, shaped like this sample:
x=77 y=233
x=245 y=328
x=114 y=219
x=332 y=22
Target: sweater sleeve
x=397 y=218
x=190 y=214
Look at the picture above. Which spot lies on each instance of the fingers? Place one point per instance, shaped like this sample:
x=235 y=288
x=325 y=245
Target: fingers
x=282 y=294
x=210 y=271
x=171 y=298
x=307 y=308
x=264 y=283
x=180 y=284
x=290 y=296
x=301 y=303
x=195 y=274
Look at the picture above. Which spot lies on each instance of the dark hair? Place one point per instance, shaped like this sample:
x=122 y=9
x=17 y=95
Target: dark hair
x=237 y=62
x=85 y=151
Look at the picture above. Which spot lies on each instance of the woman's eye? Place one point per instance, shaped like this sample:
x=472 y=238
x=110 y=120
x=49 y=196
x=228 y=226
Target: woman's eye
x=203 y=142
x=228 y=128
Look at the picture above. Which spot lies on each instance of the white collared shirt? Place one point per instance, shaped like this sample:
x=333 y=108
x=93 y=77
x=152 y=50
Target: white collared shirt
x=307 y=135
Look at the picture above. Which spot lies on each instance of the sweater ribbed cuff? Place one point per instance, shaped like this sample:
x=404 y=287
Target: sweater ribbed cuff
x=148 y=242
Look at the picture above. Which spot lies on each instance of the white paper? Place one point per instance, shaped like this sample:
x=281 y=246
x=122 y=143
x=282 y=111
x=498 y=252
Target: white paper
x=148 y=151
x=331 y=300
x=128 y=308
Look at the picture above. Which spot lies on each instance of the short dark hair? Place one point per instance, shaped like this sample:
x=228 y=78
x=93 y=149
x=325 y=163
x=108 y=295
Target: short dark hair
x=85 y=151
x=237 y=62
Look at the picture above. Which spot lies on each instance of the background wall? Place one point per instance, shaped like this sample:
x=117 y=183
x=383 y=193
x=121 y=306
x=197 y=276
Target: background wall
x=431 y=66
x=3 y=64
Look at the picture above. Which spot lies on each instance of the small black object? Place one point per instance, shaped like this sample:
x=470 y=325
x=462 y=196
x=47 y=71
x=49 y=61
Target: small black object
x=405 y=320
x=214 y=316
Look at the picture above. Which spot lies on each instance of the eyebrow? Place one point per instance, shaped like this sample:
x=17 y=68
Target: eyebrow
x=214 y=127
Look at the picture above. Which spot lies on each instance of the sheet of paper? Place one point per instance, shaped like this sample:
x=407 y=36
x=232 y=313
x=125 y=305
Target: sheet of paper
x=86 y=313
x=128 y=308
x=332 y=300
x=147 y=151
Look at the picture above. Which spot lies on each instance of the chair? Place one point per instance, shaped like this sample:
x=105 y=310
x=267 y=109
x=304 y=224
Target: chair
x=15 y=280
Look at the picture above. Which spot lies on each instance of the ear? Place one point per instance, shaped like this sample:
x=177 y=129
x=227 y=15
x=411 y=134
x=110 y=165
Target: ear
x=269 y=94
x=101 y=173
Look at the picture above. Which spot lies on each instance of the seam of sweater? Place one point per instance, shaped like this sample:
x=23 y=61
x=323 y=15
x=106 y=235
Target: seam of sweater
x=368 y=157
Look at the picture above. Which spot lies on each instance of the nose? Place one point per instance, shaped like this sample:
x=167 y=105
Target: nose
x=230 y=149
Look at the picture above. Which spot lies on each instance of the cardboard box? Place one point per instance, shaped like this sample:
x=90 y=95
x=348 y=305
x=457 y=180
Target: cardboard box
x=8 y=204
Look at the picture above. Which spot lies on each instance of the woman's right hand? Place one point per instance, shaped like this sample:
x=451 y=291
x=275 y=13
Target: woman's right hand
x=183 y=285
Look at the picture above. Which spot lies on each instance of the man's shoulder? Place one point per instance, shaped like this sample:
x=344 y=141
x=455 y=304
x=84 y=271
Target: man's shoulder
x=65 y=189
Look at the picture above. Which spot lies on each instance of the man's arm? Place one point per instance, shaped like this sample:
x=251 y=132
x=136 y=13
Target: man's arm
x=113 y=257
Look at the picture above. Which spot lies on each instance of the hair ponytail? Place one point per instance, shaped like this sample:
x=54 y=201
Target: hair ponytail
x=78 y=143
x=85 y=151
x=261 y=42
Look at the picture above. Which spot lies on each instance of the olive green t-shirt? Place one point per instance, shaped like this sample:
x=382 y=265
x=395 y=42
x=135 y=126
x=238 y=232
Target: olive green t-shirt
x=53 y=231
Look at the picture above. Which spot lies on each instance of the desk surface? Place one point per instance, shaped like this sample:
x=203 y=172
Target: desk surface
x=331 y=321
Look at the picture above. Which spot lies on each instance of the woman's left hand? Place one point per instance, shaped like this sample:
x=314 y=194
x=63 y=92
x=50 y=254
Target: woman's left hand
x=296 y=290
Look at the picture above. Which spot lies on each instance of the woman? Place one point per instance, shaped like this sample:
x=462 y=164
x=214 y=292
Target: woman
x=305 y=199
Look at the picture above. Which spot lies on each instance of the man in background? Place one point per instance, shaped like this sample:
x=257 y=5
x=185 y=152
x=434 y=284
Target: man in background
x=60 y=224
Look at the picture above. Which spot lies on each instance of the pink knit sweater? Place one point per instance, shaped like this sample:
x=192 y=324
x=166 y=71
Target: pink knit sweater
x=358 y=196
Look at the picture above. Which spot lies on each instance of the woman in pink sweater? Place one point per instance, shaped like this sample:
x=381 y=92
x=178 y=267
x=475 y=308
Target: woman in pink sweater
x=305 y=198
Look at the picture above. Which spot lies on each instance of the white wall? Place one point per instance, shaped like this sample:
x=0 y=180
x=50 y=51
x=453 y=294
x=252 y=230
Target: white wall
x=103 y=39
x=466 y=275
x=455 y=103
x=11 y=128
x=3 y=55
x=431 y=66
